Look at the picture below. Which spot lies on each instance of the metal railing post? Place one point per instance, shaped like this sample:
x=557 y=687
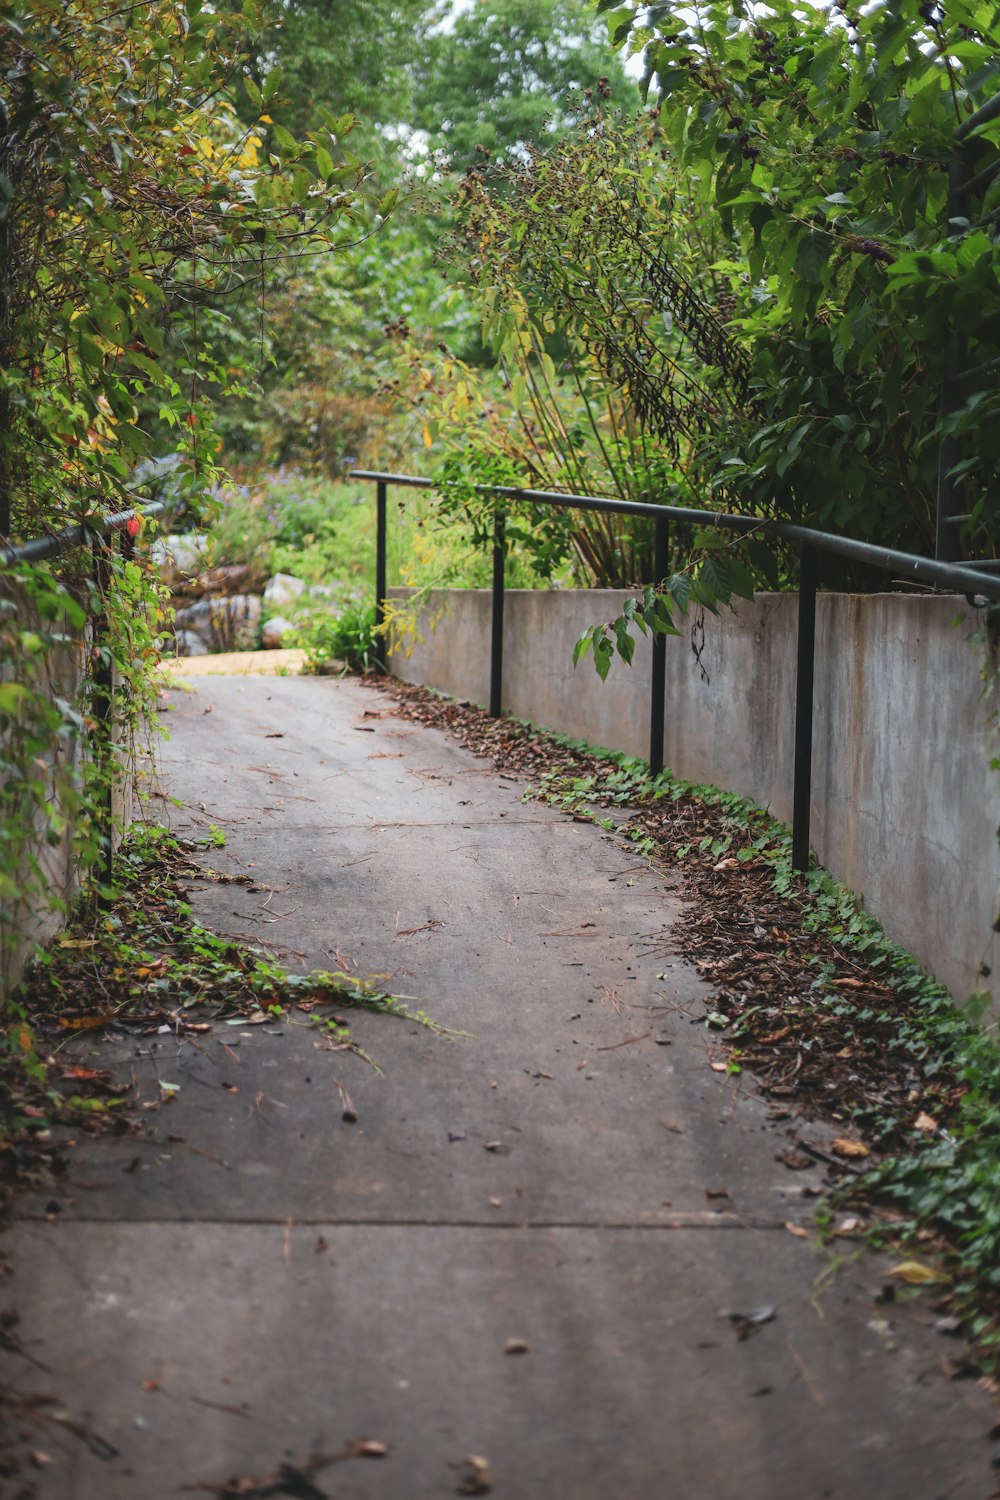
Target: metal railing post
x=496 y=624
x=381 y=489
x=658 y=681
x=804 y=679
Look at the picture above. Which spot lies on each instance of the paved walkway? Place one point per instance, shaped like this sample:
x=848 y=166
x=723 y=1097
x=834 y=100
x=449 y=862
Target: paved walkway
x=573 y=1177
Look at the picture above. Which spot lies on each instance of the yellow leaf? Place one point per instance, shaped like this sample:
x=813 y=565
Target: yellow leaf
x=427 y=437
x=912 y=1272
x=845 y=1147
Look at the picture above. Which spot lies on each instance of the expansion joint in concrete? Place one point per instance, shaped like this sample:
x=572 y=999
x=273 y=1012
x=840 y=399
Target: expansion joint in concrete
x=684 y=1221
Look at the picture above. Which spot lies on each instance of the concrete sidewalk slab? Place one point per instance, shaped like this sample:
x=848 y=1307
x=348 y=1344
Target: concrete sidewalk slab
x=572 y=1173
x=263 y=1344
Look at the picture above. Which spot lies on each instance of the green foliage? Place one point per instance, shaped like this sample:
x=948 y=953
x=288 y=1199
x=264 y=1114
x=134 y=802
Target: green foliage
x=589 y=262
x=601 y=307
x=351 y=59
x=823 y=138
x=135 y=199
x=597 y=308
x=289 y=521
x=328 y=536
x=709 y=582
x=38 y=730
x=496 y=81
x=320 y=391
x=344 y=641
x=541 y=535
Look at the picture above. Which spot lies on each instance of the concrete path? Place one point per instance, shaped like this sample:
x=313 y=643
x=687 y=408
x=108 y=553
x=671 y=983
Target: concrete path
x=574 y=1175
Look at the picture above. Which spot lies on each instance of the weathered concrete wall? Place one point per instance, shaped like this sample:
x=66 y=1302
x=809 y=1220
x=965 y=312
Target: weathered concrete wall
x=34 y=918
x=49 y=878
x=905 y=806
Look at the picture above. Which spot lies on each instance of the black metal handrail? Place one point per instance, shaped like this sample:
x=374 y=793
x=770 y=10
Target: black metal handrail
x=906 y=566
x=96 y=533
x=41 y=548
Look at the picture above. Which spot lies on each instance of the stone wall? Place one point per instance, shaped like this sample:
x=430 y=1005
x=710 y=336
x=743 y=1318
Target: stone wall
x=905 y=807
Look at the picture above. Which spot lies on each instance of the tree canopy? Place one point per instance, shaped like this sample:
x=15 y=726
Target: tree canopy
x=348 y=58
x=506 y=74
x=827 y=141
x=137 y=206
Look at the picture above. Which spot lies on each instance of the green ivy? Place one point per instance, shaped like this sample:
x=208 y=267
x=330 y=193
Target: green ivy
x=58 y=760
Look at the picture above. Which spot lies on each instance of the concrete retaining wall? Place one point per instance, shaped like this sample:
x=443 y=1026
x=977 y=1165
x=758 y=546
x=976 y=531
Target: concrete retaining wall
x=905 y=807
x=34 y=919
x=49 y=875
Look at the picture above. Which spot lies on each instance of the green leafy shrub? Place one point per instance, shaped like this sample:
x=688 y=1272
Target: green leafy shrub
x=344 y=642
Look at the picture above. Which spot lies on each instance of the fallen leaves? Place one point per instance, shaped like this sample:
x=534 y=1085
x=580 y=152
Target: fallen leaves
x=478 y=1477
x=289 y=1478
x=795 y=1161
x=844 y=1146
x=348 y=1111
x=747 y=1323
x=772 y=1038
x=371 y=1448
x=914 y=1273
